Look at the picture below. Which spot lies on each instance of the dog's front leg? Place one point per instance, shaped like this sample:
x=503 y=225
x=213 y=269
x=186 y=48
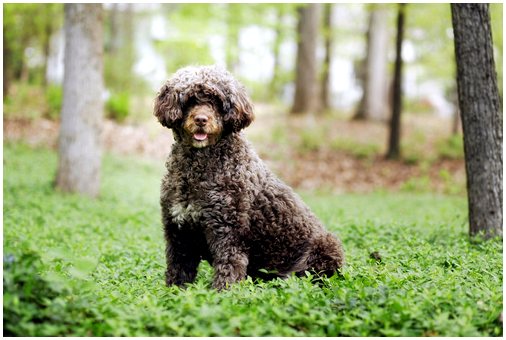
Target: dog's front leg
x=182 y=259
x=230 y=261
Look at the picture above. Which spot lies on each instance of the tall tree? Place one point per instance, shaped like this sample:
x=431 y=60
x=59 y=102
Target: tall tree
x=51 y=21
x=283 y=30
x=234 y=20
x=119 y=57
x=374 y=102
x=8 y=73
x=113 y=41
x=82 y=108
x=454 y=99
x=328 y=36
x=276 y=52
x=394 y=150
x=306 y=97
x=481 y=113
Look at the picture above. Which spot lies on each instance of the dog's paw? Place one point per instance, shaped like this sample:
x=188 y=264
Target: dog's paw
x=175 y=279
x=221 y=284
x=170 y=281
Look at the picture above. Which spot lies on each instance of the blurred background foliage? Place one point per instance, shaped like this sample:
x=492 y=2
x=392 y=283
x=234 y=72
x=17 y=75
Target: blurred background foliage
x=144 y=44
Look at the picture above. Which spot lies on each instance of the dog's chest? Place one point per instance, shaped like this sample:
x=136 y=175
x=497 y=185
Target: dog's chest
x=185 y=198
x=194 y=187
x=184 y=213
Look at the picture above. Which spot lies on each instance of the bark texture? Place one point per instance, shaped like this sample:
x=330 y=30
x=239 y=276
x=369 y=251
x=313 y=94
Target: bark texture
x=306 y=83
x=374 y=103
x=394 y=150
x=7 y=72
x=275 y=87
x=481 y=114
x=82 y=107
x=328 y=27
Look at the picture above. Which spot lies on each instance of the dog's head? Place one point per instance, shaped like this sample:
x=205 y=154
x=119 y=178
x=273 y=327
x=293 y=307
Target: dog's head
x=203 y=104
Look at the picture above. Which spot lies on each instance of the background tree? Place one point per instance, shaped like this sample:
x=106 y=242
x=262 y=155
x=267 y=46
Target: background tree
x=374 y=102
x=8 y=49
x=393 y=151
x=328 y=37
x=82 y=110
x=281 y=31
x=306 y=82
x=190 y=25
x=234 y=19
x=119 y=59
x=480 y=109
x=24 y=26
x=49 y=22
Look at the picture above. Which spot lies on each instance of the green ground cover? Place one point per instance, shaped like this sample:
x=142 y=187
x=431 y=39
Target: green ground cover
x=74 y=266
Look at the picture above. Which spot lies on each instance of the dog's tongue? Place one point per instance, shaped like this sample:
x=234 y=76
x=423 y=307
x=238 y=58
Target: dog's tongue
x=200 y=136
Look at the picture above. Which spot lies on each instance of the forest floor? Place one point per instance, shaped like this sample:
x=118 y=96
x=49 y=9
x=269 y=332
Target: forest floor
x=80 y=267
x=330 y=153
x=74 y=266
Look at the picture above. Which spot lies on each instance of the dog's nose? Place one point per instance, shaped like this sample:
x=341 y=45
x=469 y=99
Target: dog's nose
x=201 y=120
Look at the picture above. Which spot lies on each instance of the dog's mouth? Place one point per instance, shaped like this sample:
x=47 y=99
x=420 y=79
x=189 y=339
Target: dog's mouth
x=200 y=136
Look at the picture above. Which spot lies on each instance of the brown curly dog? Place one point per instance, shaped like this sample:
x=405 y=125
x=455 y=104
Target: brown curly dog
x=219 y=201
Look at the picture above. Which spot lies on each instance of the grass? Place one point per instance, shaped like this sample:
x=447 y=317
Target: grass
x=80 y=267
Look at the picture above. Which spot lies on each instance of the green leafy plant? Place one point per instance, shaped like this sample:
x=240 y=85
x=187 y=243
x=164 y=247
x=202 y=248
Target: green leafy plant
x=118 y=106
x=451 y=147
x=416 y=184
x=82 y=267
x=413 y=151
x=359 y=150
x=310 y=141
x=25 y=101
x=54 y=97
x=37 y=304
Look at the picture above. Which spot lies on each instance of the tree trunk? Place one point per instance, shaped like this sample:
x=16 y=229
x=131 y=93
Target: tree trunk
x=7 y=66
x=49 y=26
x=328 y=39
x=481 y=113
x=306 y=83
x=46 y=48
x=233 y=36
x=129 y=25
x=114 y=30
x=374 y=102
x=276 y=52
x=82 y=107
x=454 y=99
x=455 y=122
x=394 y=151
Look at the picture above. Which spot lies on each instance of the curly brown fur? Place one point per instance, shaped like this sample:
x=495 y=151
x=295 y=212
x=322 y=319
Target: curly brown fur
x=219 y=201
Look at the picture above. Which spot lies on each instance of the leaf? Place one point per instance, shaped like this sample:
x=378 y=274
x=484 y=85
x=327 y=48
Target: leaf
x=83 y=267
x=56 y=281
x=56 y=253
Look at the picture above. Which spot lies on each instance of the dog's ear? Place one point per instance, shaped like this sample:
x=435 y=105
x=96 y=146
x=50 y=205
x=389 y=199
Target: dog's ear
x=238 y=110
x=168 y=106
